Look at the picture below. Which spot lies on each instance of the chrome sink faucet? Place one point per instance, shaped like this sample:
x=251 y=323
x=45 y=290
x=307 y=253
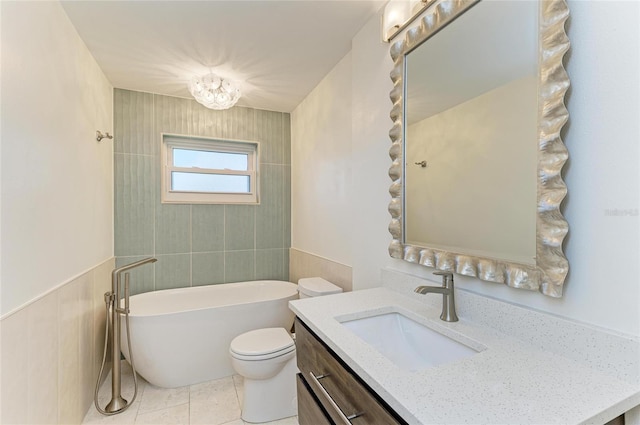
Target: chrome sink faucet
x=448 y=300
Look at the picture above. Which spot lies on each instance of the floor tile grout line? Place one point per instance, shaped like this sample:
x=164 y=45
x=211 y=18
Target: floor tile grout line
x=160 y=409
x=189 y=407
x=144 y=387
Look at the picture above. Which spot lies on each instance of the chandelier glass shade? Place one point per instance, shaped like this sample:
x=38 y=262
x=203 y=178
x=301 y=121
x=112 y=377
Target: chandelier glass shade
x=214 y=92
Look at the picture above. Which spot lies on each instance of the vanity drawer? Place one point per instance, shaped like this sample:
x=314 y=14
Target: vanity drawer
x=335 y=386
x=309 y=411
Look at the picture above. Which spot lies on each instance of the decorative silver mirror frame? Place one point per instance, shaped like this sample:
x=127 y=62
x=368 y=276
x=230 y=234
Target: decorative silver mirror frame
x=551 y=268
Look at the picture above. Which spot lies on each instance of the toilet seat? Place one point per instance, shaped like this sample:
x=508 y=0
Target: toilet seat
x=262 y=344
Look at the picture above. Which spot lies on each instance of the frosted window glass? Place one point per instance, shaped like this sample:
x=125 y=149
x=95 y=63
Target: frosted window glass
x=188 y=158
x=209 y=183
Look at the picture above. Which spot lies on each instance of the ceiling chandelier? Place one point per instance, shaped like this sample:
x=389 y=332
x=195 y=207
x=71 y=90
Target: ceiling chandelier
x=214 y=92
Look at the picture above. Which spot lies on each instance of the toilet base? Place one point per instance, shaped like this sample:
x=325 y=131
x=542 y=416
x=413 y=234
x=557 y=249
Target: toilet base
x=267 y=400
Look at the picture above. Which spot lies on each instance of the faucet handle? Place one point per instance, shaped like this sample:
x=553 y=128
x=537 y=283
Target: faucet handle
x=447 y=277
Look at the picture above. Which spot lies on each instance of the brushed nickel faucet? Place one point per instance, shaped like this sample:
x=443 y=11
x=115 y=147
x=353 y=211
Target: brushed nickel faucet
x=114 y=307
x=448 y=300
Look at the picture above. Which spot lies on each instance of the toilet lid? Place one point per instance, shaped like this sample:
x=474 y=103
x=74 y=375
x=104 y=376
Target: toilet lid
x=261 y=342
x=317 y=286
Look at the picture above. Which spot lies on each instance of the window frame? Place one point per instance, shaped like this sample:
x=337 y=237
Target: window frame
x=180 y=141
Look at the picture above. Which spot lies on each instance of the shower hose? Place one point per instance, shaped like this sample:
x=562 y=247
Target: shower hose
x=108 y=296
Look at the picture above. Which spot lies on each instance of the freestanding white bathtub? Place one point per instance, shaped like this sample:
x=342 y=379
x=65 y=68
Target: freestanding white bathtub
x=181 y=336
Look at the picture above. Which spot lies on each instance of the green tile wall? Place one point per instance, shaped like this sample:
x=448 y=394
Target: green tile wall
x=198 y=244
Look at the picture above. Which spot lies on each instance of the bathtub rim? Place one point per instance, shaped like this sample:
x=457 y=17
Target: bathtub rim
x=164 y=293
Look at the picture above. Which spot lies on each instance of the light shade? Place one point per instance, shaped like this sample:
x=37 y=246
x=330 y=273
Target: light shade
x=214 y=92
x=396 y=13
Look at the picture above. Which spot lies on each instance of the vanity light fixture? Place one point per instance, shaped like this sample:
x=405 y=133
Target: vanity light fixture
x=418 y=6
x=396 y=13
x=214 y=92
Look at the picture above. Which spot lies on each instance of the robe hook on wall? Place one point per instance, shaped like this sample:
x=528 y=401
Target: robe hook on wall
x=100 y=136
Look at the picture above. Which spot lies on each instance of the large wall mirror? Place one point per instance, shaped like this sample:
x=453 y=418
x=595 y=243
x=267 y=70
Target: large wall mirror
x=477 y=154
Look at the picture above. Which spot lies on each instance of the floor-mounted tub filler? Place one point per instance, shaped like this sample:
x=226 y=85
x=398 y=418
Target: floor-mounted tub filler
x=117 y=306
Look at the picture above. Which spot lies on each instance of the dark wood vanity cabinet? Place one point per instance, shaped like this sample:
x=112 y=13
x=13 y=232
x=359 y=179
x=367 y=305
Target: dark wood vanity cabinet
x=329 y=392
x=310 y=410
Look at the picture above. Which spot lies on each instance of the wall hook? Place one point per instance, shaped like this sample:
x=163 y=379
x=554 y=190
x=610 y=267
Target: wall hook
x=422 y=163
x=100 y=136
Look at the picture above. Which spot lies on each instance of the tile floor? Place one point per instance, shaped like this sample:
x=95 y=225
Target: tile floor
x=215 y=402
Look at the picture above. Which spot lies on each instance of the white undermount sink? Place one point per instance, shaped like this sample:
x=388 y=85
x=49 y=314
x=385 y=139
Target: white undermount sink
x=408 y=344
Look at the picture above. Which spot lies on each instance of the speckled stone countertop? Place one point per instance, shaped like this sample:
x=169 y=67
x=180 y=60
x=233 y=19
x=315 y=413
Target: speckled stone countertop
x=508 y=382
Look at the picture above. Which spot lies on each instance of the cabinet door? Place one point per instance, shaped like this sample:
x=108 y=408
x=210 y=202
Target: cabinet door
x=309 y=410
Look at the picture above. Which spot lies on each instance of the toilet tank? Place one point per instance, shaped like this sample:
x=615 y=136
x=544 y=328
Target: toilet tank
x=316 y=287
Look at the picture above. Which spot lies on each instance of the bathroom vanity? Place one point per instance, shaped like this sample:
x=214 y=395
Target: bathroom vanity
x=349 y=376
x=476 y=190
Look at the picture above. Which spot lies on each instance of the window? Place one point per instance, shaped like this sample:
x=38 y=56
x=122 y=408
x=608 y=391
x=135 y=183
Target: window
x=209 y=171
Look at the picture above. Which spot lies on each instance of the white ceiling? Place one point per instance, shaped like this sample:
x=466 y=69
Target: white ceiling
x=278 y=51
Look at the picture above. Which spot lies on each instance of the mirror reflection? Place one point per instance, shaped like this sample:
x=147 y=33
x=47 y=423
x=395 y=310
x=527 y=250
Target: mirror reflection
x=471 y=131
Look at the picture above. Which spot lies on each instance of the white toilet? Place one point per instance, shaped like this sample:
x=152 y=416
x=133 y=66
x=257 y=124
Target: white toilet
x=266 y=359
x=316 y=287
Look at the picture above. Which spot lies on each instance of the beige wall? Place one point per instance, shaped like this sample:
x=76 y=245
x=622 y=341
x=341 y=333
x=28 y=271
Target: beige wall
x=57 y=180
x=51 y=352
x=303 y=264
x=321 y=192
x=56 y=216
